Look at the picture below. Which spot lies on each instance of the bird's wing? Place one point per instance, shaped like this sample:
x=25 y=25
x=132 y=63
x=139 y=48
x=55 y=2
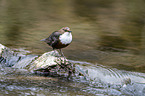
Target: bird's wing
x=53 y=39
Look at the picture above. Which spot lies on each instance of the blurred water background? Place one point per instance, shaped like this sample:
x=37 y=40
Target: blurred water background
x=106 y=32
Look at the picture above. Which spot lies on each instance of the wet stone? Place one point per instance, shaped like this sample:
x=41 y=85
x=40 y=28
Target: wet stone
x=49 y=62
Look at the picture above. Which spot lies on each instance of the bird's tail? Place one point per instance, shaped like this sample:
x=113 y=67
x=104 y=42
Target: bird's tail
x=43 y=40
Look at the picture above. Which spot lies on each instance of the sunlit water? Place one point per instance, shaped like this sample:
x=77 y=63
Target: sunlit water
x=109 y=33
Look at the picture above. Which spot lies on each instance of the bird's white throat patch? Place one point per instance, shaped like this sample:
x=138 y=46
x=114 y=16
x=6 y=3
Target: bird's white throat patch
x=66 y=38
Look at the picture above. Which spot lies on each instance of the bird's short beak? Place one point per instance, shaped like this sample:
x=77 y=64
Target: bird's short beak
x=69 y=31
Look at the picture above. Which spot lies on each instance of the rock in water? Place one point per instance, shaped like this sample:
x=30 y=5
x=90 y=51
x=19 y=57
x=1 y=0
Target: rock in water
x=48 y=62
x=44 y=61
x=8 y=57
x=51 y=62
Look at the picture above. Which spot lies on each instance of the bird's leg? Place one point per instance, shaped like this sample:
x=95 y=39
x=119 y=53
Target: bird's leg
x=61 y=53
x=65 y=60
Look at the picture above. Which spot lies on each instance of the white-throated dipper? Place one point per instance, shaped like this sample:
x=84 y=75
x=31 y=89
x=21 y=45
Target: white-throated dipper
x=59 y=39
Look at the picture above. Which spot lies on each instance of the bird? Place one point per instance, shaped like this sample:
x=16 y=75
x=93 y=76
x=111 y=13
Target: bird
x=59 y=39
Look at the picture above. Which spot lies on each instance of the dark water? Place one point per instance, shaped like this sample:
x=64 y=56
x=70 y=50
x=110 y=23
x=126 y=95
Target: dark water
x=106 y=32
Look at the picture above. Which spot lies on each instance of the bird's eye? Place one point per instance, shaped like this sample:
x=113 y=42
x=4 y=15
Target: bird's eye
x=65 y=30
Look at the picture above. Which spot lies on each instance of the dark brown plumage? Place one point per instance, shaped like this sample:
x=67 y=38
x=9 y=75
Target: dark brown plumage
x=59 y=39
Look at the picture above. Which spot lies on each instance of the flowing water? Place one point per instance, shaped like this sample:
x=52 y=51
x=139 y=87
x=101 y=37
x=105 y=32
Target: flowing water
x=109 y=35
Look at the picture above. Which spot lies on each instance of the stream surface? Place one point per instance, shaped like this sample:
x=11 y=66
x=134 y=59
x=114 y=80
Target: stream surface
x=88 y=79
x=109 y=36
